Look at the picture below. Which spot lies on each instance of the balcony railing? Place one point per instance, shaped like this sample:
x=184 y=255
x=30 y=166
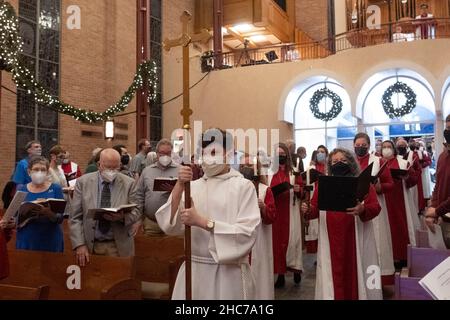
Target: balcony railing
x=413 y=30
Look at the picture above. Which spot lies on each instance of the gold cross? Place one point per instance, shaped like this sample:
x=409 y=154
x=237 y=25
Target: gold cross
x=184 y=41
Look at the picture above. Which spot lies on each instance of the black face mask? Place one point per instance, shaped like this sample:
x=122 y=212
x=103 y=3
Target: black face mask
x=125 y=159
x=248 y=173
x=361 y=151
x=340 y=169
x=447 y=136
x=401 y=150
x=282 y=159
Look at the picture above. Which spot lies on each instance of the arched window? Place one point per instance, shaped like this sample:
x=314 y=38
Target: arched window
x=311 y=132
x=446 y=99
x=420 y=122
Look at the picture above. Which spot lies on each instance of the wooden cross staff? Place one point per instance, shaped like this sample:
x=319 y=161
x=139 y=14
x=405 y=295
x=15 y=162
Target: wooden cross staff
x=185 y=40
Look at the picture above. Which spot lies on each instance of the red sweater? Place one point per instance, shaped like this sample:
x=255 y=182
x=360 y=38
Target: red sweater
x=441 y=194
x=4 y=263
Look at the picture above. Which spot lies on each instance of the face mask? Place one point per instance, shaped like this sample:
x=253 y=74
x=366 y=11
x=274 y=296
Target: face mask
x=38 y=178
x=340 y=169
x=125 y=160
x=378 y=149
x=321 y=157
x=213 y=169
x=401 y=150
x=388 y=152
x=282 y=159
x=165 y=161
x=447 y=136
x=109 y=175
x=361 y=151
x=247 y=172
x=66 y=161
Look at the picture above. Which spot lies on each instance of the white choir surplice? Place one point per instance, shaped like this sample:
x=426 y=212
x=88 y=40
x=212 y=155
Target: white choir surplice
x=220 y=259
x=262 y=257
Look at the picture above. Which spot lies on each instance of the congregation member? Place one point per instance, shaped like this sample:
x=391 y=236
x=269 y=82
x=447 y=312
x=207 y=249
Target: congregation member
x=224 y=217
x=261 y=261
x=440 y=201
x=43 y=232
x=56 y=173
x=21 y=176
x=93 y=163
x=139 y=161
x=148 y=199
x=403 y=219
x=152 y=158
x=70 y=167
x=286 y=229
x=125 y=159
x=346 y=240
x=107 y=188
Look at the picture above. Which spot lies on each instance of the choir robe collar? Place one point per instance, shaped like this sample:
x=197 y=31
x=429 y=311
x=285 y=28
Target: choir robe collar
x=231 y=174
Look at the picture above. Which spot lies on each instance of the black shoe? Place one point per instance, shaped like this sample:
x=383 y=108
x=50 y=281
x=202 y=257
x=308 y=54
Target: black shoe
x=280 y=281
x=297 y=277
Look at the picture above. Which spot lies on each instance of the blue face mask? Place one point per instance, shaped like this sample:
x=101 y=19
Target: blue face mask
x=321 y=157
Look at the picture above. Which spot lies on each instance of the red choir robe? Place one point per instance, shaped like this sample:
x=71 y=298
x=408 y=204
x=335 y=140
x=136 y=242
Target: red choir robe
x=71 y=167
x=261 y=258
x=346 y=251
x=5 y=236
x=381 y=222
x=441 y=192
x=421 y=204
x=286 y=236
x=399 y=210
x=311 y=241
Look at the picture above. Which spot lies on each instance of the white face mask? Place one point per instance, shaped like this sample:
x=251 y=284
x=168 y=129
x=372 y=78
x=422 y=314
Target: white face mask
x=38 y=178
x=165 y=161
x=388 y=152
x=109 y=175
x=212 y=166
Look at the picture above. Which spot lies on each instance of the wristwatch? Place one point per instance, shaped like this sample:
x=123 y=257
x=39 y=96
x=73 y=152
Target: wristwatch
x=210 y=225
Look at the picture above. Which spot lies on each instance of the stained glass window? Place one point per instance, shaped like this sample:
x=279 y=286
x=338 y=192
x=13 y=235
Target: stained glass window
x=156 y=54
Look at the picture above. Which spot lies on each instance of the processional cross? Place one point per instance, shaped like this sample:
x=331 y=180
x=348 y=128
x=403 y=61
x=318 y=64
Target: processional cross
x=184 y=41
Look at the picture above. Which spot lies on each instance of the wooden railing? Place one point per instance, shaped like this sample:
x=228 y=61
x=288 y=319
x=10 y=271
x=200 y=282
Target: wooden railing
x=306 y=49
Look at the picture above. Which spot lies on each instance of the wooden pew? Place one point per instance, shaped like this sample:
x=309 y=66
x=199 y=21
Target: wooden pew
x=103 y=277
x=10 y=292
x=420 y=262
x=158 y=259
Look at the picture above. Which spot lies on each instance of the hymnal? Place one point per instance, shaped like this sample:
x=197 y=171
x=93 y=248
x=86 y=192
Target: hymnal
x=341 y=193
x=437 y=281
x=71 y=176
x=15 y=204
x=28 y=210
x=98 y=213
x=164 y=184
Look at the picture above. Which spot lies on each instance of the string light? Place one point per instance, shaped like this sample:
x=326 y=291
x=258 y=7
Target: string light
x=146 y=77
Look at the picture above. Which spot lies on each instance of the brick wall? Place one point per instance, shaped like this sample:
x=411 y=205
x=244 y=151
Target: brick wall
x=98 y=63
x=312 y=18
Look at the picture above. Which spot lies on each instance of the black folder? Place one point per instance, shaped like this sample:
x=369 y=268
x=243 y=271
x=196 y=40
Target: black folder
x=313 y=176
x=280 y=188
x=340 y=193
x=398 y=173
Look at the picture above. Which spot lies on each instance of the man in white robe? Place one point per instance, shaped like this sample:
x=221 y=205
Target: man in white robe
x=224 y=217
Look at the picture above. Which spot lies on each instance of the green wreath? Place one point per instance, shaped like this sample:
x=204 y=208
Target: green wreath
x=388 y=106
x=322 y=94
x=146 y=77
